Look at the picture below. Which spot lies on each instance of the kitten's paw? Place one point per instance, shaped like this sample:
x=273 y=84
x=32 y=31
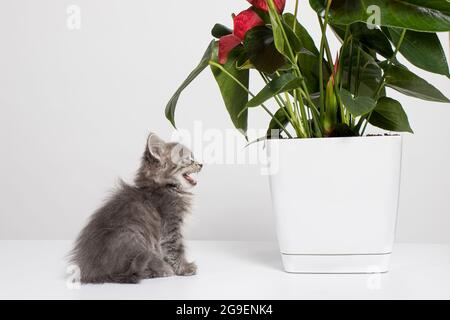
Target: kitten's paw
x=167 y=273
x=160 y=273
x=188 y=269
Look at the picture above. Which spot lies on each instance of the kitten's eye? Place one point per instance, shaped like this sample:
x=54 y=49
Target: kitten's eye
x=191 y=158
x=187 y=160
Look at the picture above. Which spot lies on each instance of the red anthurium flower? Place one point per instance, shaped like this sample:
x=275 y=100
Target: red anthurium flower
x=244 y=21
x=262 y=4
x=226 y=44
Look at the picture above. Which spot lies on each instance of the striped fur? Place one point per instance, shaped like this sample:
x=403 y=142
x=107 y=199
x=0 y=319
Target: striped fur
x=137 y=233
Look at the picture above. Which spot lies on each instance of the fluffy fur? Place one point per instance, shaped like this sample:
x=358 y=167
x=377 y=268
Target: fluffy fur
x=136 y=234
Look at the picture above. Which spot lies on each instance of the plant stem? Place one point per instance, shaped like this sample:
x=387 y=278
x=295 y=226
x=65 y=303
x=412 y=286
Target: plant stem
x=279 y=101
x=289 y=107
x=321 y=84
x=293 y=115
x=383 y=78
x=349 y=78
x=323 y=44
x=338 y=81
x=293 y=59
x=284 y=106
x=295 y=15
x=323 y=26
x=342 y=51
x=389 y=63
x=304 y=117
x=350 y=67
x=299 y=129
x=358 y=70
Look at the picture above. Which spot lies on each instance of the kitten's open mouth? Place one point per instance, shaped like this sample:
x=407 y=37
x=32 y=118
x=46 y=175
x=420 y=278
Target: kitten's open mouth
x=191 y=178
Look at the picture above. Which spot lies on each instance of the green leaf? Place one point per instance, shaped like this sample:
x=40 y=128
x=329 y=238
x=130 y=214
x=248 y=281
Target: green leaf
x=245 y=65
x=389 y=115
x=406 y=82
x=260 y=47
x=357 y=106
x=309 y=66
x=369 y=80
x=308 y=60
x=281 y=118
x=370 y=73
x=422 y=49
x=373 y=39
x=301 y=33
x=256 y=141
x=172 y=104
x=219 y=30
x=274 y=130
x=294 y=42
x=278 y=31
x=234 y=96
x=285 y=82
x=286 y=40
x=419 y=15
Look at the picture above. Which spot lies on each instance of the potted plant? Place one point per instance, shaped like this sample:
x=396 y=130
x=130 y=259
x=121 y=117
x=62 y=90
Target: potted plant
x=334 y=190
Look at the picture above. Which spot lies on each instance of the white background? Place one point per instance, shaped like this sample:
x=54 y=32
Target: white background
x=76 y=108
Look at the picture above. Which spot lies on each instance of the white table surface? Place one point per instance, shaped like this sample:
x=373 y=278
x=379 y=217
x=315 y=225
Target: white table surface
x=227 y=270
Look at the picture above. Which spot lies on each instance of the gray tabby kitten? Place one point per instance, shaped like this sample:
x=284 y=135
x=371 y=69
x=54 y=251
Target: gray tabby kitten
x=136 y=234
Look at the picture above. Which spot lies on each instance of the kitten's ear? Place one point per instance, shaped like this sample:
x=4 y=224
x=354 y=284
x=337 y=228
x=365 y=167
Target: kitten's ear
x=155 y=146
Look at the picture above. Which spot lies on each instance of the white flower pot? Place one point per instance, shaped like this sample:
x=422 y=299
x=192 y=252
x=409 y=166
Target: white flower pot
x=335 y=202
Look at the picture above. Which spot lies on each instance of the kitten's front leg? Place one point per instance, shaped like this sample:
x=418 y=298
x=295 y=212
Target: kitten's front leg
x=175 y=256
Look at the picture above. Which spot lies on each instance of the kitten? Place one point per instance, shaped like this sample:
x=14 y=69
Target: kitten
x=136 y=234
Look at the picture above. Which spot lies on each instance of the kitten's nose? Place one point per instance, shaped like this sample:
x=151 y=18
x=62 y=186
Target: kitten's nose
x=200 y=165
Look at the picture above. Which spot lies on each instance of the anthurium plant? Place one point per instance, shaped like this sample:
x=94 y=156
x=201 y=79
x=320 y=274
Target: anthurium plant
x=319 y=93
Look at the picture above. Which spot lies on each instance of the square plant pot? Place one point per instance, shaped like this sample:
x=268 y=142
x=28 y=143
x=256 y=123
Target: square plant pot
x=335 y=202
